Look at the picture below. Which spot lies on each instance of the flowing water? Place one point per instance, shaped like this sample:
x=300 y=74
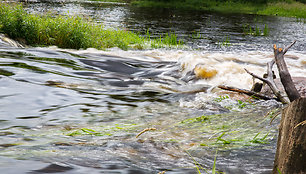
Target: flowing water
x=83 y=111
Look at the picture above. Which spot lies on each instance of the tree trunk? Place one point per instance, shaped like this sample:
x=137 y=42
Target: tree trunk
x=290 y=157
x=284 y=73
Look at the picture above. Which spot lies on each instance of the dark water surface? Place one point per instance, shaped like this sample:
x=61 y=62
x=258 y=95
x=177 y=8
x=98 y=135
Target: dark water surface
x=199 y=29
x=79 y=111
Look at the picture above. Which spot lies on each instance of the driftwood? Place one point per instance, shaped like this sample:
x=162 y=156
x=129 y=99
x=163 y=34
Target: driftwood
x=284 y=74
x=247 y=92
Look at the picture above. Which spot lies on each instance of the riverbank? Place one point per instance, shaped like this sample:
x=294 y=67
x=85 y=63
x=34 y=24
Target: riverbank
x=286 y=9
x=72 y=31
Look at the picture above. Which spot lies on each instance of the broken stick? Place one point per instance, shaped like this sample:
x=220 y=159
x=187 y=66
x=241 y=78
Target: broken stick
x=247 y=92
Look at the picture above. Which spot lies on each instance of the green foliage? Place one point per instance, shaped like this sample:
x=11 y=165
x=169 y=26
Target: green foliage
x=221 y=98
x=288 y=8
x=260 y=140
x=256 y=31
x=199 y=167
x=69 y=31
x=196 y=35
x=219 y=138
x=214 y=165
x=241 y=104
x=278 y=171
x=167 y=40
x=294 y=9
x=201 y=119
x=226 y=41
x=87 y=131
x=6 y=73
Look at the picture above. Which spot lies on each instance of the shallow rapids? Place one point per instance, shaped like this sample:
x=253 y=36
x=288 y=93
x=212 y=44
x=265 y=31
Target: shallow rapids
x=81 y=110
x=143 y=111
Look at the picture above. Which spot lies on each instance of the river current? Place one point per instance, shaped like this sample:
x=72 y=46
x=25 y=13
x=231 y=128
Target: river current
x=142 y=111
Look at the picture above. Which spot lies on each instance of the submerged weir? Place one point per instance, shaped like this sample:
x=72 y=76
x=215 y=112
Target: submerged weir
x=79 y=111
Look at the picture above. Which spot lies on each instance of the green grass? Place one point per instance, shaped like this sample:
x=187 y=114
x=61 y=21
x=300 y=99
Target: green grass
x=70 y=31
x=169 y=39
x=101 y=131
x=256 y=31
x=287 y=8
x=295 y=9
x=201 y=119
x=199 y=167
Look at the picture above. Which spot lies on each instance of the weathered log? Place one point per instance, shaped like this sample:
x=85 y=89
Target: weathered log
x=247 y=92
x=284 y=74
x=291 y=145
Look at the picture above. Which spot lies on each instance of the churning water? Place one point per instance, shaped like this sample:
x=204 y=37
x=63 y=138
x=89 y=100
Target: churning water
x=79 y=111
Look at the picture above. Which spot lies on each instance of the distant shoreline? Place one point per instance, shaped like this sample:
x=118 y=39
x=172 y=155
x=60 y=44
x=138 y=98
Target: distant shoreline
x=285 y=9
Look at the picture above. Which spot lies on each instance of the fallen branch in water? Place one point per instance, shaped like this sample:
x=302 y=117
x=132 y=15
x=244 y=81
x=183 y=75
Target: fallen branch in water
x=247 y=92
x=145 y=130
x=284 y=74
x=270 y=81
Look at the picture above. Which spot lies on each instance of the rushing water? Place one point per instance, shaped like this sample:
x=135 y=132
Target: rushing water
x=79 y=111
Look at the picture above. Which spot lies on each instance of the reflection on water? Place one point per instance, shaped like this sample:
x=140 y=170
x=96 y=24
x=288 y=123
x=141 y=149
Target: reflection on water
x=79 y=111
x=199 y=29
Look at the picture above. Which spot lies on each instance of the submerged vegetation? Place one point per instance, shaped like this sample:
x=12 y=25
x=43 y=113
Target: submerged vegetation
x=288 y=8
x=71 y=31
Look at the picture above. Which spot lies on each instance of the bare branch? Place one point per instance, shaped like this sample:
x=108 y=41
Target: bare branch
x=269 y=70
x=247 y=92
x=270 y=82
x=256 y=76
x=286 y=49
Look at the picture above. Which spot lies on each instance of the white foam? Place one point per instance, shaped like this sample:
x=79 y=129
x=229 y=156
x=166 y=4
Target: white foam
x=230 y=66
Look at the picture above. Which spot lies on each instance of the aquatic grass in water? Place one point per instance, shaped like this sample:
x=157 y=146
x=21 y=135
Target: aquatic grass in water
x=196 y=119
x=196 y=35
x=69 y=31
x=256 y=31
x=225 y=42
x=167 y=40
x=260 y=140
x=200 y=167
x=225 y=133
x=221 y=98
x=102 y=130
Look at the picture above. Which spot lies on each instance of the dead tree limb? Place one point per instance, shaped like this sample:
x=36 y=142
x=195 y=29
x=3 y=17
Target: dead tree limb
x=284 y=74
x=247 y=92
x=286 y=49
x=270 y=82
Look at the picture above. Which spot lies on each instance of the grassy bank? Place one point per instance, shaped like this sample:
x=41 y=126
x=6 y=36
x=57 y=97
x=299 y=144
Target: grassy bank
x=70 y=31
x=294 y=9
x=288 y=8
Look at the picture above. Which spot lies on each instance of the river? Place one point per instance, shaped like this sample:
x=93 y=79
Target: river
x=80 y=111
